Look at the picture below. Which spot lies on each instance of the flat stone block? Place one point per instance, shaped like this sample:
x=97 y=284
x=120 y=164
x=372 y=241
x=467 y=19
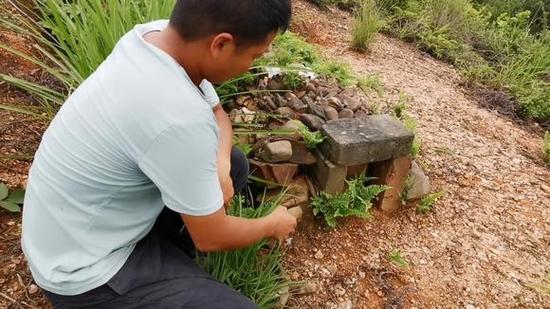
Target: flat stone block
x=364 y=140
x=329 y=177
x=392 y=173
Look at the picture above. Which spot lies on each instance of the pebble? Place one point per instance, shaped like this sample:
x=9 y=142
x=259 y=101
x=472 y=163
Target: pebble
x=319 y=255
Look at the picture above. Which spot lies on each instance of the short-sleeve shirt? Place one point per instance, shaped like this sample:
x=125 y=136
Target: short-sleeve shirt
x=135 y=136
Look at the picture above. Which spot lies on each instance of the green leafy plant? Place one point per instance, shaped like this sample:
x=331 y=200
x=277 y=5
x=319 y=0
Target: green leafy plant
x=256 y=271
x=368 y=22
x=11 y=201
x=396 y=258
x=311 y=139
x=428 y=201
x=546 y=147
x=356 y=201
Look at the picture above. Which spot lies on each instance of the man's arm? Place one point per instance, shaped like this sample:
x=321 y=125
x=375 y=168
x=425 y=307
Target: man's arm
x=219 y=231
x=224 y=152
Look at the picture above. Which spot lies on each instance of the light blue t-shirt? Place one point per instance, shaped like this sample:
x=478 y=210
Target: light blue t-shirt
x=135 y=136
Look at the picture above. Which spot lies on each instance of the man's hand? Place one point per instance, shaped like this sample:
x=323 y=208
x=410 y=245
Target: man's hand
x=284 y=223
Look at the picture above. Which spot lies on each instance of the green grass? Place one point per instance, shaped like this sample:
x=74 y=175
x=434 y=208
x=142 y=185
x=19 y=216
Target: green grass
x=367 y=23
x=492 y=46
x=356 y=201
x=371 y=82
x=256 y=271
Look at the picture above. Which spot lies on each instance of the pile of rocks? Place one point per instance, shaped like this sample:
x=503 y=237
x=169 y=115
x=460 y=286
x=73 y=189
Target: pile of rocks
x=318 y=102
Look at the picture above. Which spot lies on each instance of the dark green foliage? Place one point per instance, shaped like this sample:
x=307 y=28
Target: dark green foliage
x=356 y=201
x=11 y=201
x=494 y=45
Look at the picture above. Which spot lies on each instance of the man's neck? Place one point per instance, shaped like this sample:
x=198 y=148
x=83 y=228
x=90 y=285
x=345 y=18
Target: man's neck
x=170 y=42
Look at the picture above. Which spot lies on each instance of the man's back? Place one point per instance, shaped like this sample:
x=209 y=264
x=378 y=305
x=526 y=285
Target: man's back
x=93 y=187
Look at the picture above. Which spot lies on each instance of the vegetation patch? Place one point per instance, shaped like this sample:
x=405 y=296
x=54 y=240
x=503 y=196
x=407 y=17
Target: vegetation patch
x=256 y=271
x=356 y=201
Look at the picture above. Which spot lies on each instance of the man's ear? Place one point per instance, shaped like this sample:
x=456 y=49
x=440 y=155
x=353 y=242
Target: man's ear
x=220 y=44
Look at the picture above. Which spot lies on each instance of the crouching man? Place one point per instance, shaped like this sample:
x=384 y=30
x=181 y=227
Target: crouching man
x=140 y=158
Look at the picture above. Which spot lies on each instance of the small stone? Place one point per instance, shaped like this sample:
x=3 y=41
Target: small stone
x=286 y=112
x=301 y=154
x=279 y=100
x=270 y=103
x=310 y=87
x=293 y=125
x=346 y=113
x=33 y=289
x=313 y=107
x=307 y=288
x=319 y=255
x=349 y=102
x=295 y=103
x=346 y=305
x=330 y=113
x=336 y=103
x=274 y=84
x=418 y=182
x=332 y=269
x=362 y=275
x=311 y=121
x=297 y=212
x=294 y=276
x=339 y=290
x=275 y=151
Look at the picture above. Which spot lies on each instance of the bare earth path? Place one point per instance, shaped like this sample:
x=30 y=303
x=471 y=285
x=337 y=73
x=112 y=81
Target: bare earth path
x=486 y=244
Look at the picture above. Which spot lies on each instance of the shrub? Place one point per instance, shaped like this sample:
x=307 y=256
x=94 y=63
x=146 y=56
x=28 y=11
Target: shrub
x=368 y=22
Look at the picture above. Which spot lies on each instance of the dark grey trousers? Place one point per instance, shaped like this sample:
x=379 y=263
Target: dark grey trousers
x=161 y=273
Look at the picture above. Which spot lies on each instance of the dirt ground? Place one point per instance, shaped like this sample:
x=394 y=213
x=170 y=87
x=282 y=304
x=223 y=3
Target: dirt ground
x=484 y=245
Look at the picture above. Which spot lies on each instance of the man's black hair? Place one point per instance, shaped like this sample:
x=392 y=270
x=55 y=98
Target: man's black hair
x=249 y=21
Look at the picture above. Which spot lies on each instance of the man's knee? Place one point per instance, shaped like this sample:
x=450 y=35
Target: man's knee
x=239 y=169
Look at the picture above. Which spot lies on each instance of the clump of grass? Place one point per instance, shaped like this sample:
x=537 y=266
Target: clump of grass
x=372 y=82
x=427 y=202
x=356 y=201
x=546 y=147
x=396 y=258
x=368 y=22
x=256 y=271
x=73 y=38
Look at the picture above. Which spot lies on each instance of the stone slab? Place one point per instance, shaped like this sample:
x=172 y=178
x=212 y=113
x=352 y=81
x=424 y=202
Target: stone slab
x=364 y=140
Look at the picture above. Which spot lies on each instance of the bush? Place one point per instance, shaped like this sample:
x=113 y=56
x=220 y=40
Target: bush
x=367 y=24
x=498 y=51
